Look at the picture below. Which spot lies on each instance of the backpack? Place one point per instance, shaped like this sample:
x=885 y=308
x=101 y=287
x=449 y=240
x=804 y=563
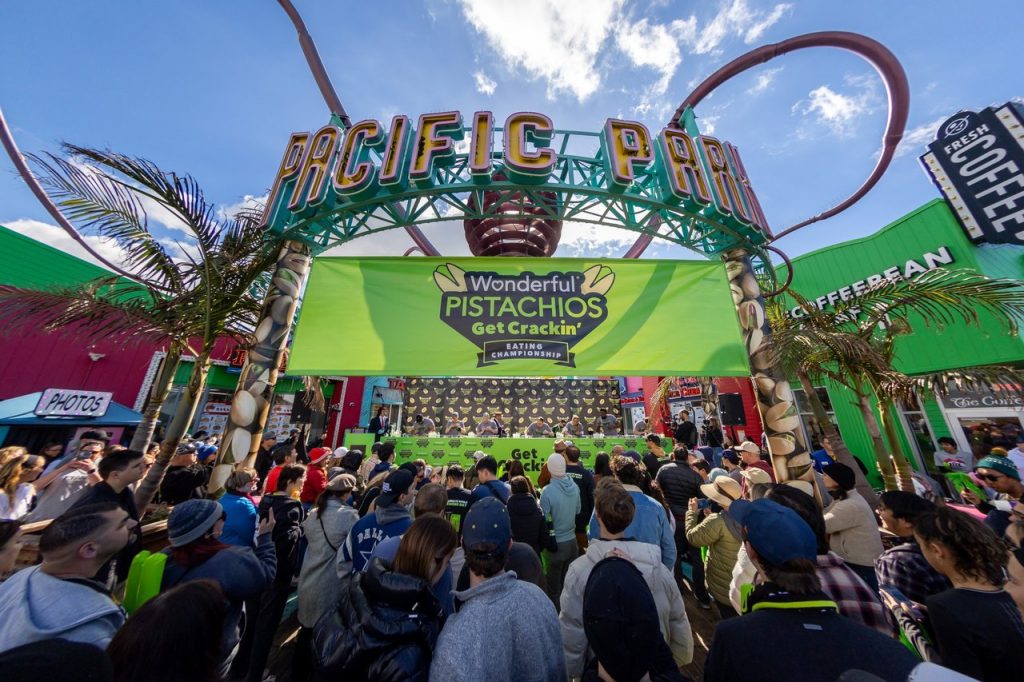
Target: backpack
x=145 y=576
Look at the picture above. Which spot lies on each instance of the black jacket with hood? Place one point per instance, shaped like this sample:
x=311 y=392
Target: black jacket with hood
x=384 y=628
x=289 y=516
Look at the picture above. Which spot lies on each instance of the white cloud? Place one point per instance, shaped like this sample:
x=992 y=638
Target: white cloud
x=765 y=78
x=915 y=139
x=707 y=124
x=656 y=46
x=484 y=84
x=54 y=236
x=248 y=202
x=549 y=39
x=739 y=19
x=840 y=112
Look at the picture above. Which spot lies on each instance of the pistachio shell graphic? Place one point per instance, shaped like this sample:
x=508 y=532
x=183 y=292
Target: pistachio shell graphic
x=597 y=280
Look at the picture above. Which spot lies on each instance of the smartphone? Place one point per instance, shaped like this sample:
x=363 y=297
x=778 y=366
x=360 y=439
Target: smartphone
x=703 y=504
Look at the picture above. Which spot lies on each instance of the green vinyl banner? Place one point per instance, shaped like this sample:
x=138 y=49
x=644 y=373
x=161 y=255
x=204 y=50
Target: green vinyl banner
x=517 y=317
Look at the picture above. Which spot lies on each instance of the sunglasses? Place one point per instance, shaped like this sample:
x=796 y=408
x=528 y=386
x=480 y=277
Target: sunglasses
x=991 y=478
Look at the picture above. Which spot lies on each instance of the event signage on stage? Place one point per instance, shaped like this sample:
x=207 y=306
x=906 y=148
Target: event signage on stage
x=69 y=402
x=517 y=317
x=977 y=162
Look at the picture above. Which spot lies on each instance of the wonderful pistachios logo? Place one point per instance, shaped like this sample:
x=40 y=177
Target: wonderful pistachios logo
x=524 y=316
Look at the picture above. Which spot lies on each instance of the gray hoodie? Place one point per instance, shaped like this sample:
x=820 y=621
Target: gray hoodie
x=36 y=606
x=505 y=631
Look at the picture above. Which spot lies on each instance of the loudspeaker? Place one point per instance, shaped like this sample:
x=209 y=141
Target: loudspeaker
x=730 y=406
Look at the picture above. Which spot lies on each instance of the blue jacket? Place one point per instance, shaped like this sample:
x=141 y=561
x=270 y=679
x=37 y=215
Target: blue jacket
x=498 y=489
x=650 y=524
x=560 y=501
x=386 y=522
x=240 y=524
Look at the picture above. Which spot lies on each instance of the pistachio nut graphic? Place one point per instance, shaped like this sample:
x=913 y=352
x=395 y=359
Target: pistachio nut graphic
x=597 y=280
x=450 y=278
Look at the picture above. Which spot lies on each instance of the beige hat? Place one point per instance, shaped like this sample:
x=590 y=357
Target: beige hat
x=723 y=490
x=748 y=446
x=342 y=483
x=802 y=486
x=756 y=475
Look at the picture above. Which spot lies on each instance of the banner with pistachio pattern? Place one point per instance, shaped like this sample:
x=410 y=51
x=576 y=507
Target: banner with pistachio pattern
x=517 y=317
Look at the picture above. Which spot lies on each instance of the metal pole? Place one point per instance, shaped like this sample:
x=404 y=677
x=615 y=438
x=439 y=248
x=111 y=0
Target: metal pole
x=776 y=403
x=251 y=402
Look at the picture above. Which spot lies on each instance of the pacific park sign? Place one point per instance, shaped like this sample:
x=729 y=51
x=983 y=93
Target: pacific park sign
x=333 y=167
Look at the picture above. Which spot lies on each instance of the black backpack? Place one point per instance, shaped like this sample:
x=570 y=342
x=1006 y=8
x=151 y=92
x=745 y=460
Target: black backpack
x=621 y=622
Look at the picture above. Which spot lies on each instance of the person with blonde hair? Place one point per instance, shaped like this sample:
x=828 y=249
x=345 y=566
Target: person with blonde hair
x=17 y=491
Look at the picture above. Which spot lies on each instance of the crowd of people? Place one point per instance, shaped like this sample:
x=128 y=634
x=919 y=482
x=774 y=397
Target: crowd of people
x=480 y=572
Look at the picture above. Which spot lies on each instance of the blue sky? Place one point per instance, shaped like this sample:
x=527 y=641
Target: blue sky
x=215 y=88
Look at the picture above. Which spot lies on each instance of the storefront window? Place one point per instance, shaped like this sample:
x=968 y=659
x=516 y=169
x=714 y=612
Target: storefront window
x=919 y=435
x=812 y=429
x=985 y=433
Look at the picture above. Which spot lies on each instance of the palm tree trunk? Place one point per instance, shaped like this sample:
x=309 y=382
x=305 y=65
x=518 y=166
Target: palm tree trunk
x=839 y=448
x=881 y=452
x=899 y=458
x=182 y=417
x=158 y=393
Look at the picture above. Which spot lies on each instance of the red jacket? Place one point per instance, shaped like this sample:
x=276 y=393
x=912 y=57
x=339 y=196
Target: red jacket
x=316 y=481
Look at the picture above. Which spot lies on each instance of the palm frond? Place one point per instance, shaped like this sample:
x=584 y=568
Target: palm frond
x=1002 y=380
x=940 y=297
x=99 y=310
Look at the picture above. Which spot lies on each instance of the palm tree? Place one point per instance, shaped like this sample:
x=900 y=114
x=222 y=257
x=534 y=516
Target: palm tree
x=213 y=289
x=854 y=344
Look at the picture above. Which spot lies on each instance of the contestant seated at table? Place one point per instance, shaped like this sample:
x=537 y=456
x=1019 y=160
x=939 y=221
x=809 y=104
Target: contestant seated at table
x=539 y=429
x=488 y=426
x=606 y=423
x=575 y=428
x=453 y=427
x=422 y=425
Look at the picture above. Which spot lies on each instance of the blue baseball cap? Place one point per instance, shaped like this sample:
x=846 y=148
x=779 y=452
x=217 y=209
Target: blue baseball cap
x=777 y=533
x=487 y=523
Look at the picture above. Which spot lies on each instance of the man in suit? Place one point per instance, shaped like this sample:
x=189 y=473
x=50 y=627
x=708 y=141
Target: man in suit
x=380 y=424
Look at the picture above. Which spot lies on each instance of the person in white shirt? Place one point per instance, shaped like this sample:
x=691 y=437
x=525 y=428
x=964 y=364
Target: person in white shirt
x=948 y=455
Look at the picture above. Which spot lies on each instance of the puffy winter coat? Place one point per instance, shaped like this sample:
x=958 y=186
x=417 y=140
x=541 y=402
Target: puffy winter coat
x=675 y=626
x=528 y=523
x=723 y=547
x=383 y=628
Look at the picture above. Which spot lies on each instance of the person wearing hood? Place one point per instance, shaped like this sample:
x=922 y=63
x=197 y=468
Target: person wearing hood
x=387 y=620
x=194 y=529
x=59 y=598
x=390 y=518
x=497 y=604
x=528 y=523
x=615 y=509
x=560 y=503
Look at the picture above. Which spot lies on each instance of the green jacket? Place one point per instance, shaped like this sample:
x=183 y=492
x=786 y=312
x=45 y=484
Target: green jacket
x=722 y=545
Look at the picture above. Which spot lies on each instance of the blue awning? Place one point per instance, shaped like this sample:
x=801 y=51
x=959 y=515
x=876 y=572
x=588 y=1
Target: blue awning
x=19 y=412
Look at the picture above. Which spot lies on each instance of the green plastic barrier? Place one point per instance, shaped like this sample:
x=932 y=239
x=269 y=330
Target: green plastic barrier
x=145 y=576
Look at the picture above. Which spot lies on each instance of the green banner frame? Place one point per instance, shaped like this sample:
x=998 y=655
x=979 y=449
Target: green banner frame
x=517 y=317
x=532 y=452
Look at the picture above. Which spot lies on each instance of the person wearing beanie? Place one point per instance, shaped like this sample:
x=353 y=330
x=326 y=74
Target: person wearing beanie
x=850 y=524
x=560 y=503
x=614 y=510
x=999 y=475
x=196 y=553
x=390 y=519
x=497 y=607
x=808 y=634
x=316 y=477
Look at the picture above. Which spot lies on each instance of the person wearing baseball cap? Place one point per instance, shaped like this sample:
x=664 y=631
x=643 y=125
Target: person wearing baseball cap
x=196 y=553
x=390 y=518
x=497 y=602
x=808 y=633
x=316 y=476
x=750 y=455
